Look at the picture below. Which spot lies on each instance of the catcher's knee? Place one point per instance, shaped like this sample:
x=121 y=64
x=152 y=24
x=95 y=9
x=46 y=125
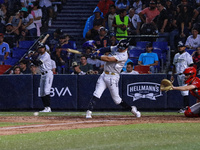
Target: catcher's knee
x=189 y=113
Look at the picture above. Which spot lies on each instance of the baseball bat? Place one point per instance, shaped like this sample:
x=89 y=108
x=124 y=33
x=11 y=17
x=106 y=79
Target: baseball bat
x=45 y=38
x=73 y=51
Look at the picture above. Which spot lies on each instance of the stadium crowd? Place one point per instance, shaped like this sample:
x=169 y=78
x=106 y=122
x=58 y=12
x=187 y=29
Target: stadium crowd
x=171 y=20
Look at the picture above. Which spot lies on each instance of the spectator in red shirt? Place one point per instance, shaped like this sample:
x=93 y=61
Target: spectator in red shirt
x=149 y=12
x=104 y=6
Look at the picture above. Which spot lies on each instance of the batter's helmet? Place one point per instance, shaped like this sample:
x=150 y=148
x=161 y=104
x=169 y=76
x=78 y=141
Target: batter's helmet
x=123 y=44
x=191 y=71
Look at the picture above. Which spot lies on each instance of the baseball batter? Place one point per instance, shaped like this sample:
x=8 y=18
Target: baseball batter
x=181 y=61
x=110 y=77
x=45 y=66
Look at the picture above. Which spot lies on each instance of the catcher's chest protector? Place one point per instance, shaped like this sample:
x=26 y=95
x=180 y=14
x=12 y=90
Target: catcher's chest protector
x=196 y=92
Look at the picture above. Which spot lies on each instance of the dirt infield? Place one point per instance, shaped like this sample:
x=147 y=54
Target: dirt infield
x=53 y=123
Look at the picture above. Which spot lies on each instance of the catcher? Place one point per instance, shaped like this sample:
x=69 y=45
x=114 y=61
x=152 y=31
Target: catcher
x=193 y=85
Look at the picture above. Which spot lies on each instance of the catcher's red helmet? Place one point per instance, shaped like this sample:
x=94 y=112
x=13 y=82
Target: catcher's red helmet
x=191 y=71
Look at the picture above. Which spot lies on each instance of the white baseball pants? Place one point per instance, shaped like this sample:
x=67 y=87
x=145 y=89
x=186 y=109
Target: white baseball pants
x=180 y=79
x=46 y=81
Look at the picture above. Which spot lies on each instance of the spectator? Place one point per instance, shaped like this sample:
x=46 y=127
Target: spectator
x=17 y=70
x=23 y=67
x=37 y=15
x=60 y=57
x=171 y=10
x=110 y=17
x=34 y=69
x=104 y=6
x=96 y=63
x=27 y=22
x=47 y=12
x=122 y=4
x=54 y=38
x=10 y=38
x=16 y=22
x=85 y=67
x=113 y=39
x=149 y=58
x=176 y=28
x=128 y=60
x=4 y=14
x=137 y=6
x=129 y=69
x=193 y=41
x=149 y=13
x=102 y=39
x=161 y=23
x=135 y=22
x=93 y=24
x=121 y=23
x=25 y=3
x=4 y=47
x=196 y=59
x=77 y=69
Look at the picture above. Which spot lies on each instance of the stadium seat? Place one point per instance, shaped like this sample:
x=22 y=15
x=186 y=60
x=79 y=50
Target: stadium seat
x=190 y=51
x=4 y=68
x=142 y=44
x=18 y=52
x=25 y=44
x=11 y=61
x=161 y=57
x=135 y=52
x=142 y=69
x=161 y=45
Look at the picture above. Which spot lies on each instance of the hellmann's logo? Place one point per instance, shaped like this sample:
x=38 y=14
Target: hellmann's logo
x=141 y=90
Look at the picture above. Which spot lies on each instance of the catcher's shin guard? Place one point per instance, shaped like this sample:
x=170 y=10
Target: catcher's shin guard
x=193 y=111
x=92 y=103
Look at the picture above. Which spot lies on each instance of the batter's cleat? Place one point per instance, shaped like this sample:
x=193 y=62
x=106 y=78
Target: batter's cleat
x=135 y=112
x=88 y=114
x=46 y=109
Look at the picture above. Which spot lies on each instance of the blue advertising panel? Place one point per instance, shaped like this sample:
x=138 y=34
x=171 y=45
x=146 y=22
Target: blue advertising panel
x=63 y=92
x=16 y=92
x=143 y=91
x=86 y=87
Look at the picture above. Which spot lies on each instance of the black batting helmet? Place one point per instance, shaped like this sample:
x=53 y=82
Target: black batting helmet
x=123 y=44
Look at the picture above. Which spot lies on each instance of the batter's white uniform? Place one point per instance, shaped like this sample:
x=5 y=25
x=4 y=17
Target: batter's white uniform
x=110 y=77
x=46 y=79
x=181 y=62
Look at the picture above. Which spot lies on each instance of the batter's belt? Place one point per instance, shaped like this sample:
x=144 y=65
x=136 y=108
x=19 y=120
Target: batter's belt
x=110 y=73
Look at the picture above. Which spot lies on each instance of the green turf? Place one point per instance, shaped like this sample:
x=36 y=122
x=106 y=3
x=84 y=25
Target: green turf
x=163 y=136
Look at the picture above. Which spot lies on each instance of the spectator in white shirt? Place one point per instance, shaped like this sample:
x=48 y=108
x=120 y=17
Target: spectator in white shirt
x=129 y=69
x=37 y=15
x=135 y=22
x=193 y=41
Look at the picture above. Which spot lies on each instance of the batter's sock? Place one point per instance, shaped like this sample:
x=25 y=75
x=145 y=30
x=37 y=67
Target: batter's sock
x=93 y=101
x=125 y=105
x=186 y=101
x=46 y=101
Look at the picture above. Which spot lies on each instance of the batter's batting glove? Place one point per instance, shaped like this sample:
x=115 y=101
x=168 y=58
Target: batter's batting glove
x=95 y=56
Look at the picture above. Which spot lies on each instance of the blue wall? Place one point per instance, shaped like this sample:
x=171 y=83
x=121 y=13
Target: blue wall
x=72 y=92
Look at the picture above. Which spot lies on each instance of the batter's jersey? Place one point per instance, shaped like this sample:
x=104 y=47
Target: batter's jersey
x=46 y=62
x=196 y=92
x=182 y=61
x=116 y=67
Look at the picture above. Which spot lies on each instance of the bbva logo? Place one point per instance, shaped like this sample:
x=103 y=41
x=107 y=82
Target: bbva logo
x=60 y=92
x=140 y=90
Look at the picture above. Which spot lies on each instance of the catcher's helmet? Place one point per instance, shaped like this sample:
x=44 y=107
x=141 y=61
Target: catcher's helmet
x=123 y=44
x=191 y=72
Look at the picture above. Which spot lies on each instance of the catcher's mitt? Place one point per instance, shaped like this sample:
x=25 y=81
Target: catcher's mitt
x=165 y=85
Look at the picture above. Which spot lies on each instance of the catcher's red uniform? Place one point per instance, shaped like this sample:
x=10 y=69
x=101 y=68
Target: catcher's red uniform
x=194 y=111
